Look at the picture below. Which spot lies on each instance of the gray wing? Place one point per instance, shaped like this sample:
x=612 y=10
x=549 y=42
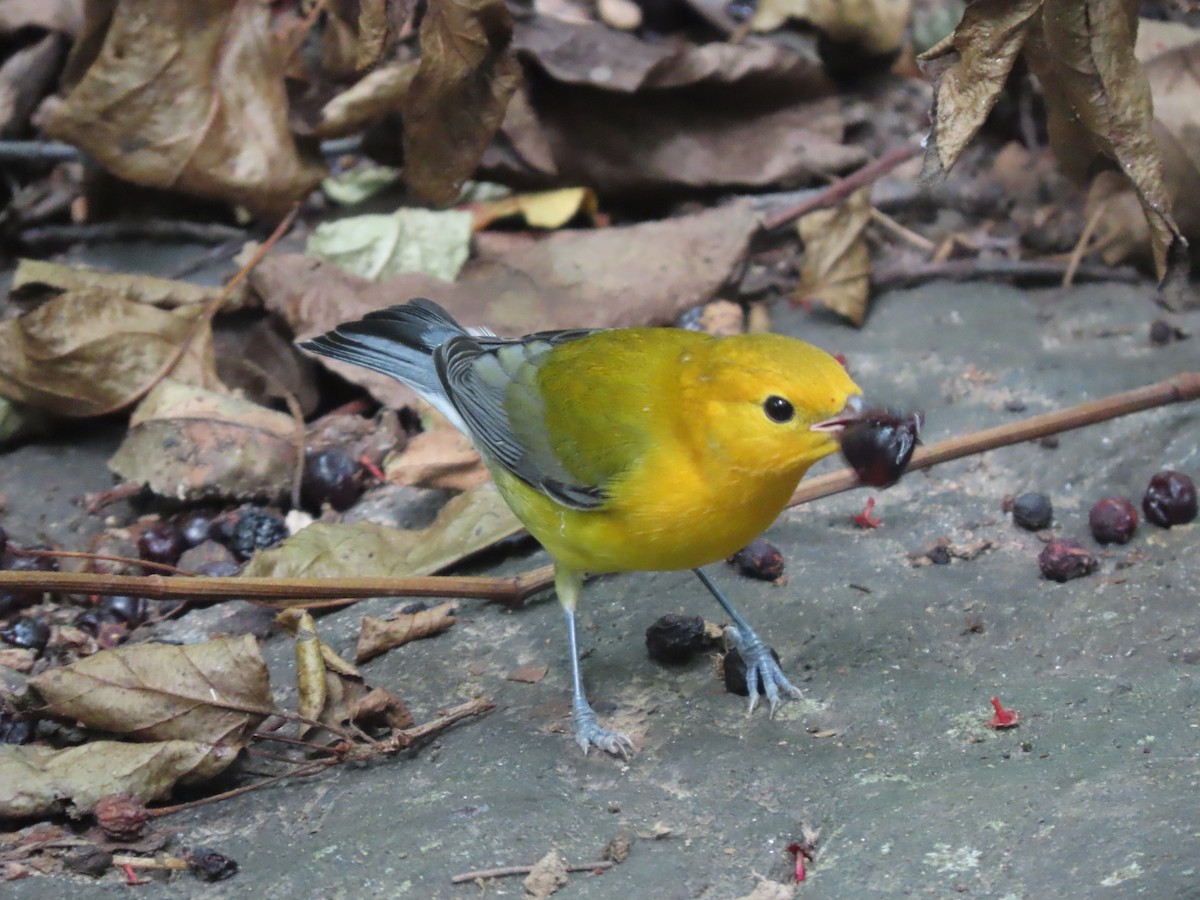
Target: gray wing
x=491 y=380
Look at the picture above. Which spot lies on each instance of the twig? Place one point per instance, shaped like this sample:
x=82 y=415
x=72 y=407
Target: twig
x=150 y=862
x=1081 y=245
x=104 y=557
x=1014 y=269
x=506 y=871
x=283 y=593
x=54 y=151
x=132 y=230
x=840 y=190
x=301 y=772
x=917 y=240
x=93 y=503
x=1180 y=389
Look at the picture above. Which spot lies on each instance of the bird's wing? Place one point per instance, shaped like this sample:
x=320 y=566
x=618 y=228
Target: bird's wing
x=493 y=385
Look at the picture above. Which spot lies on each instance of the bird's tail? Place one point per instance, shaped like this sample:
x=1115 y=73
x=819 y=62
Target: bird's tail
x=398 y=341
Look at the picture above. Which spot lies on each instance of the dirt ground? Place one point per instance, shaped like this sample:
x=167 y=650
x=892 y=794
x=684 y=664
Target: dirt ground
x=888 y=755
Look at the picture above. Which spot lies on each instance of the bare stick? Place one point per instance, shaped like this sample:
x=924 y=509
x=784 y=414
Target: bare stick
x=1026 y=270
x=1180 y=389
x=506 y=871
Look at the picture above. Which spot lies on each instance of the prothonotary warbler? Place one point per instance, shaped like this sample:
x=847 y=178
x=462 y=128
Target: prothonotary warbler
x=622 y=450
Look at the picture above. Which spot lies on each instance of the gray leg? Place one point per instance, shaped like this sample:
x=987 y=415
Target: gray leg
x=759 y=661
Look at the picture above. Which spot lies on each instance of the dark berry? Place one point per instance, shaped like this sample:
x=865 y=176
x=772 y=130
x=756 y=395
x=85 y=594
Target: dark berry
x=1163 y=332
x=14 y=727
x=1064 y=559
x=28 y=632
x=674 y=639
x=224 y=527
x=1113 y=520
x=161 y=543
x=194 y=528
x=759 y=559
x=1170 y=499
x=129 y=611
x=90 y=621
x=879 y=444
x=1033 y=511
x=939 y=555
x=257 y=530
x=735 y=673
x=211 y=865
x=330 y=476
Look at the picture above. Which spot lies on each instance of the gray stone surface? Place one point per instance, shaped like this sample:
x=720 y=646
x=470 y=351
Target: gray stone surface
x=1094 y=795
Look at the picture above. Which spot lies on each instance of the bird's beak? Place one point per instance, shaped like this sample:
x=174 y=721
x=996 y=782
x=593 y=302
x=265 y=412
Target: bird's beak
x=851 y=413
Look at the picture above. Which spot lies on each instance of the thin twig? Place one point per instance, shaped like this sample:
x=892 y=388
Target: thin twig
x=102 y=557
x=1081 y=246
x=1024 y=270
x=843 y=188
x=301 y=772
x=506 y=871
x=904 y=233
x=132 y=230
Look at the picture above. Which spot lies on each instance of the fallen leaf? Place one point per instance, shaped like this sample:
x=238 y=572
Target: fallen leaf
x=468 y=523
x=361 y=183
x=531 y=673
x=365 y=102
x=359 y=35
x=88 y=353
x=873 y=27
x=18 y=659
x=458 y=95
x=380 y=708
x=215 y=692
x=27 y=75
x=291 y=621
x=65 y=16
x=543 y=209
x=39 y=275
x=836 y=271
x=188 y=96
x=36 y=780
x=379 y=247
x=378 y=636
x=548 y=875
x=310 y=671
x=192 y=444
x=440 y=456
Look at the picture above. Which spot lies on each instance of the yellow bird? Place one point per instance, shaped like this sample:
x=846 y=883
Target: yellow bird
x=634 y=449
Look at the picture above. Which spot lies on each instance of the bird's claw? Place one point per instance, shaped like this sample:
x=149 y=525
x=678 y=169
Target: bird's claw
x=761 y=665
x=589 y=733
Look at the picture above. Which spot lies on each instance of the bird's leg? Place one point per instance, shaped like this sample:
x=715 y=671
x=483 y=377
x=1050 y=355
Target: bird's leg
x=588 y=732
x=757 y=655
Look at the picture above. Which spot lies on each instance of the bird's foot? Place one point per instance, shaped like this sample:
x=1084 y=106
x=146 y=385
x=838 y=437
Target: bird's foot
x=589 y=733
x=761 y=664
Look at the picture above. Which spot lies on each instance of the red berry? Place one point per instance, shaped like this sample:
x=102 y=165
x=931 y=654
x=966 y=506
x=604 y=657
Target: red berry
x=879 y=444
x=330 y=476
x=160 y=543
x=759 y=559
x=1064 y=559
x=1170 y=499
x=1113 y=520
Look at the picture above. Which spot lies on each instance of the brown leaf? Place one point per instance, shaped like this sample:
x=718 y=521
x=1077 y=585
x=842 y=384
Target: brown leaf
x=531 y=673
x=365 y=102
x=87 y=352
x=441 y=456
x=36 y=780
x=216 y=692
x=310 y=670
x=38 y=275
x=381 y=635
x=836 y=271
x=468 y=523
x=189 y=95
x=291 y=620
x=380 y=708
x=359 y=35
x=457 y=98
x=189 y=443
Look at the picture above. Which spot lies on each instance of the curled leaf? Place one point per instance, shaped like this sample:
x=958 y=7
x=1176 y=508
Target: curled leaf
x=310 y=670
x=379 y=247
x=165 y=293
x=836 y=271
x=381 y=635
x=216 y=692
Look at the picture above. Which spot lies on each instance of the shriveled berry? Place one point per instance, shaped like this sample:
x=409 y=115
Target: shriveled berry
x=209 y=864
x=1064 y=559
x=735 y=673
x=939 y=555
x=161 y=543
x=879 y=444
x=127 y=610
x=1033 y=511
x=1113 y=520
x=257 y=530
x=194 y=528
x=674 y=639
x=28 y=632
x=759 y=559
x=121 y=816
x=1170 y=499
x=330 y=476
x=1163 y=332
x=15 y=728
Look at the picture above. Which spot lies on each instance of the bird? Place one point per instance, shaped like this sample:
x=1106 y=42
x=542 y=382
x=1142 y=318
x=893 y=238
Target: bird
x=626 y=449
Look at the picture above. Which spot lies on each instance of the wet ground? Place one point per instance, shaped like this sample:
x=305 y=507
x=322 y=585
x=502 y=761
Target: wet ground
x=888 y=756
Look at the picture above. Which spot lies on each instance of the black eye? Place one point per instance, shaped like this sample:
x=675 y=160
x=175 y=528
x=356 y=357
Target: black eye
x=778 y=409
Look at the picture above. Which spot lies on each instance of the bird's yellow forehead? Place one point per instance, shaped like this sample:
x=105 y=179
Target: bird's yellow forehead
x=746 y=367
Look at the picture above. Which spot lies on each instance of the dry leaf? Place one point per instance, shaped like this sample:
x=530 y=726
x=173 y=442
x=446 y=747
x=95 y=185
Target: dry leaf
x=458 y=95
x=875 y=27
x=36 y=780
x=189 y=95
x=836 y=271
x=543 y=209
x=36 y=275
x=380 y=708
x=547 y=876
x=530 y=673
x=381 y=635
x=216 y=692
x=366 y=102
x=441 y=457
x=290 y=620
x=191 y=444
x=1097 y=97
x=468 y=523
x=310 y=671
x=87 y=352
x=379 y=247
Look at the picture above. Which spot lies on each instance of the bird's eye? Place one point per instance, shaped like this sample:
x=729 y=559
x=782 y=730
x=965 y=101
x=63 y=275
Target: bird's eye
x=779 y=409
